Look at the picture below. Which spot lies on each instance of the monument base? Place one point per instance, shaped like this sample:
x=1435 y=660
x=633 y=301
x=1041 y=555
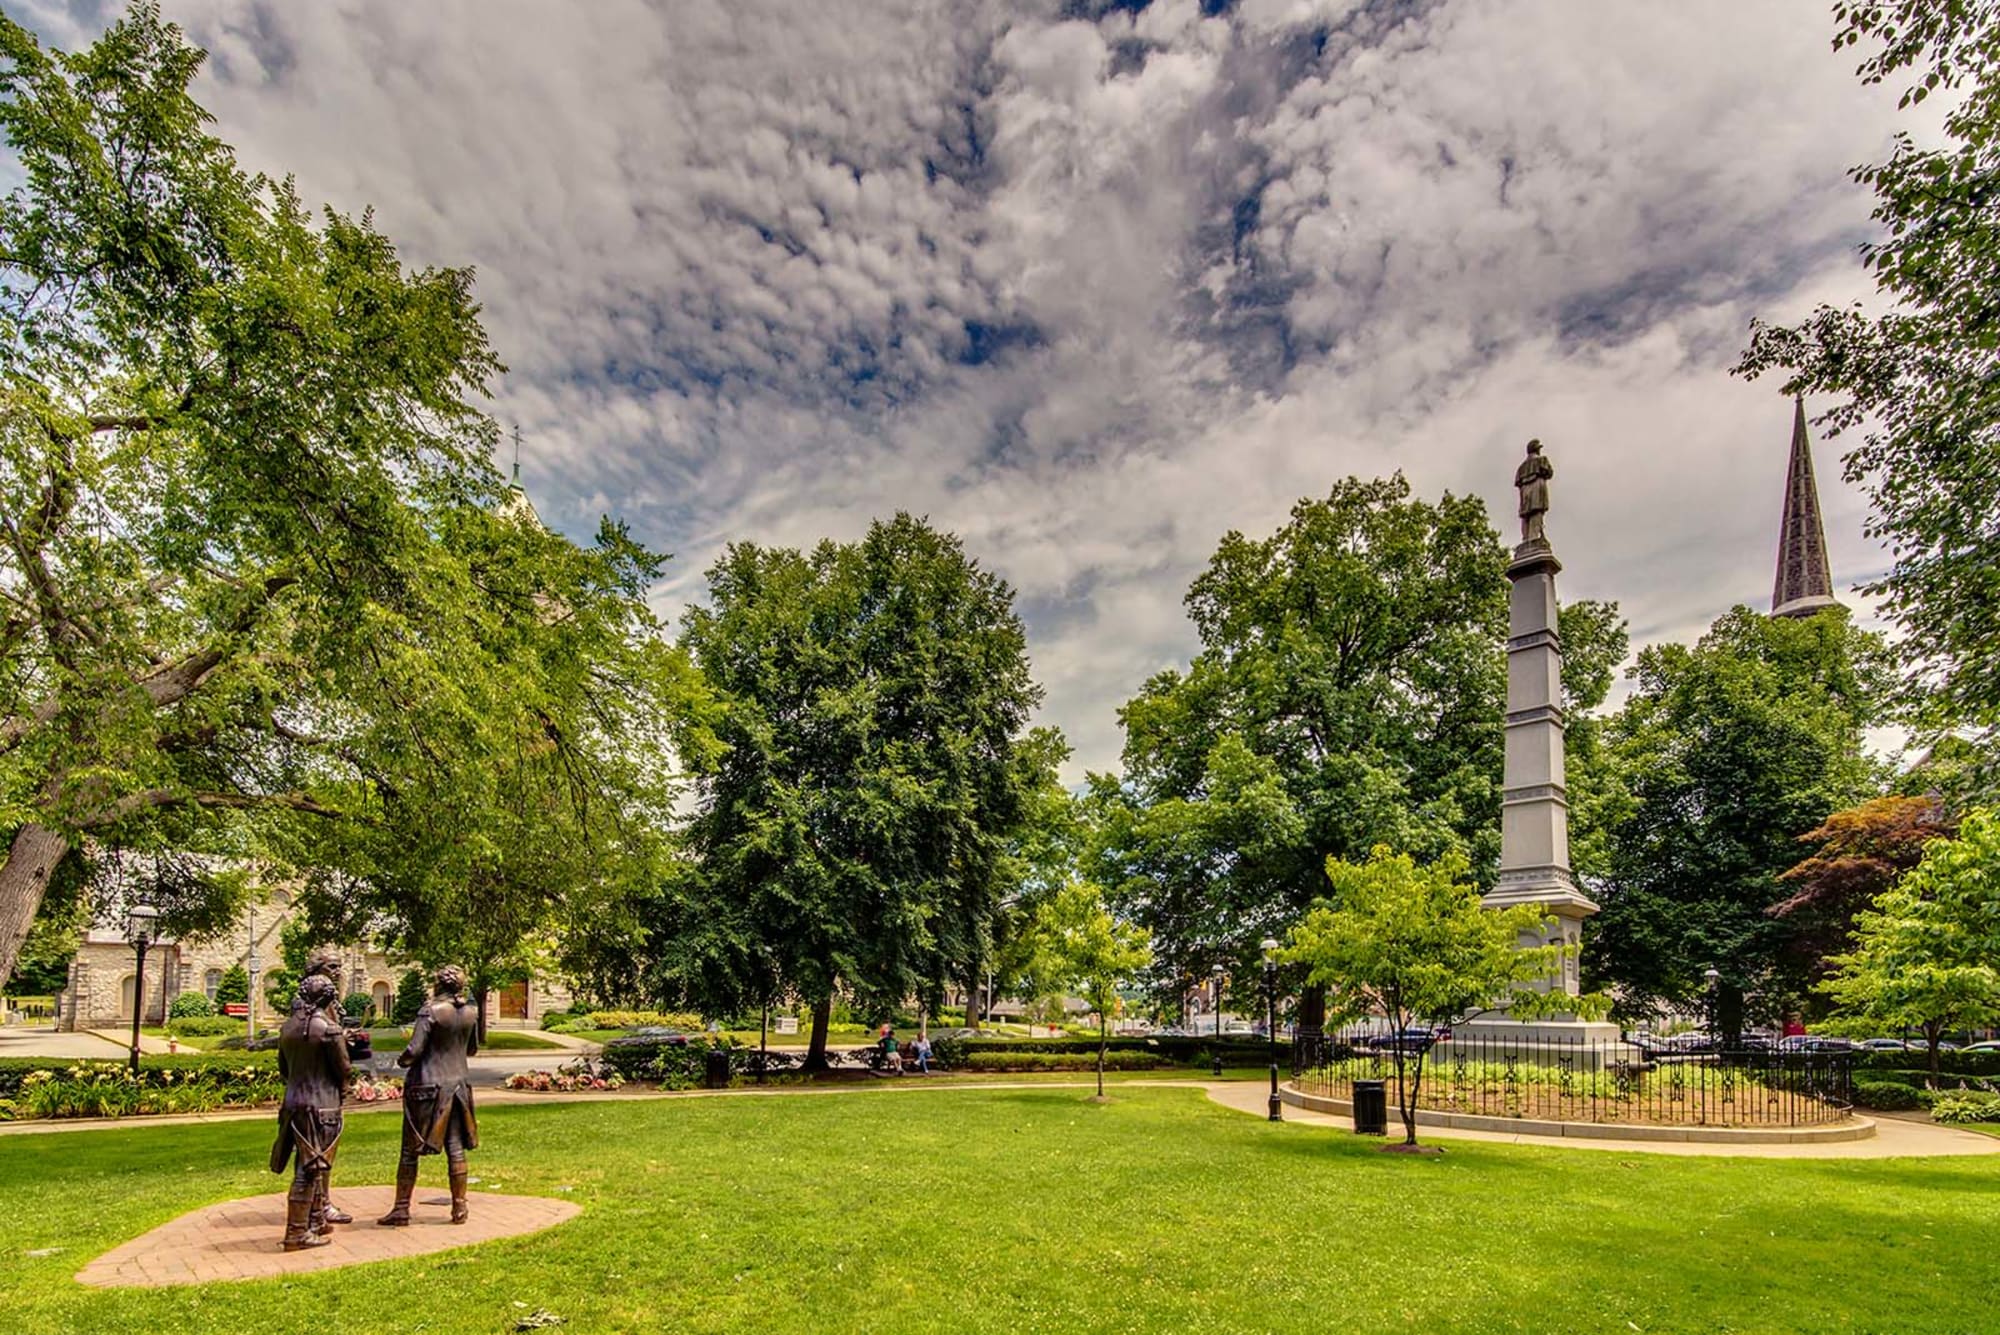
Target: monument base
x=1580 y=1044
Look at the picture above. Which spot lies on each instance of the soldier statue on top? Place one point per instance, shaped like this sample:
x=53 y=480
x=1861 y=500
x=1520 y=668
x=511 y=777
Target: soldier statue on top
x=312 y=1058
x=437 y=1096
x=1532 y=479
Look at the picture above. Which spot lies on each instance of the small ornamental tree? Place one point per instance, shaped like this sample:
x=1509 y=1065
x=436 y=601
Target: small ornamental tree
x=190 y=1006
x=1925 y=955
x=1415 y=945
x=233 y=988
x=411 y=994
x=1086 y=949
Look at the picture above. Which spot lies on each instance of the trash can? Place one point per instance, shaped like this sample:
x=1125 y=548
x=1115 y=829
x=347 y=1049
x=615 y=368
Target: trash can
x=715 y=1068
x=1371 y=1108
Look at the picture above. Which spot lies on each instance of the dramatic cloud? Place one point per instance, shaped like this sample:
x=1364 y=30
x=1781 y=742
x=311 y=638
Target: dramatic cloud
x=1093 y=283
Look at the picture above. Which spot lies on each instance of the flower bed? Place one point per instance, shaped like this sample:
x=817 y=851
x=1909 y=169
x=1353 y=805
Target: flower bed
x=570 y=1078
x=102 y=1090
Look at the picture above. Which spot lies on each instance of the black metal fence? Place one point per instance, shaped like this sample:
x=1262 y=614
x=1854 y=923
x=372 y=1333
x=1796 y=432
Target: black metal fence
x=1554 y=1080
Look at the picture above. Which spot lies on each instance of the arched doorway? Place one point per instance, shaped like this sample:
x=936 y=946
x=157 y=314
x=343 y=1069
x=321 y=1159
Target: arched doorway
x=125 y=986
x=382 y=995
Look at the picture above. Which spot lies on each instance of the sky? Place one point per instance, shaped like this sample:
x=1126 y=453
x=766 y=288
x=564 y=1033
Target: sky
x=1092 y=284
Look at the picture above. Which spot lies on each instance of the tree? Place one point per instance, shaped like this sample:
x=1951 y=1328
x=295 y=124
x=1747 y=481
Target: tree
x=1349 y=690
x=1730 y=750
x=233 y=988
x=1414 y=944
x=874 y=700
x=411 y=994
x=1925 y=954
x=1863 y=851
x=263 y=597
x=1080 y=946
x=1921 y=375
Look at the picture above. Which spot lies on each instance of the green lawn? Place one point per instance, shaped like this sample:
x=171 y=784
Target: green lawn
x=1033 y=1210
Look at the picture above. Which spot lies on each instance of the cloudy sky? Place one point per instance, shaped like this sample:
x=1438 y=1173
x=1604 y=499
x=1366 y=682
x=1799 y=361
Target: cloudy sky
x=1092 y=283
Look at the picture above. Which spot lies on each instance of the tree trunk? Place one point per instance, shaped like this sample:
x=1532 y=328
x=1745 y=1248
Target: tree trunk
x=24 y=878
x=972 y=1001
x=1103 y=1044
x=1312 y=1017
x=816 y=1048
x=1933 y=1033
x=1730 y=1018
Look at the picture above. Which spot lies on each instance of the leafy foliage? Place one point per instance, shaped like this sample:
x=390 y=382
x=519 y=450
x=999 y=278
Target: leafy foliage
x=233 y=988
x=1862 y=851
x=1925 y=954
x=1729 y=750
x=856 y=830
x=1415 y=943
x=1349 y=691
x=1922 y=376
x=263 y=597
x=1081 y=947
x=188 y=1005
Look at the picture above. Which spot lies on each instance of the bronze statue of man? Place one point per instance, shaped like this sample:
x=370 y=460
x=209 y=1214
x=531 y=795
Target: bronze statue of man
x=312 y=1057
x=1532 y=478
x=437 y=1093
x=326 y=964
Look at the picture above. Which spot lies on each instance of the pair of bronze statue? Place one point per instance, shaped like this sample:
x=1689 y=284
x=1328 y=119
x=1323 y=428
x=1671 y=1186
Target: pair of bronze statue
x=313 y=1058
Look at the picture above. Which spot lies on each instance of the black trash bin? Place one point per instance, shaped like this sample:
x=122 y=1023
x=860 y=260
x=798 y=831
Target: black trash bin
x=1371 y=1108
x=715 y=1068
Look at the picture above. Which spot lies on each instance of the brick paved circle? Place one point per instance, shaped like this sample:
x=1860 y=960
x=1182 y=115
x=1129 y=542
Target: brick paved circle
x=239 y=1239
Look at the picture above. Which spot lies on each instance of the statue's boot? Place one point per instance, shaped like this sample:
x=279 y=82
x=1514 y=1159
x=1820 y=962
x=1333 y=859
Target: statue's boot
x=458 y=1211
x=333 y=1213
x=406 y=1182
x=298 y=1222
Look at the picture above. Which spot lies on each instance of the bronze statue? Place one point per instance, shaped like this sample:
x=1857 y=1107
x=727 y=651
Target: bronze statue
x=1532 y=477
x=312 y=1057
x=437 y=1095
x=326 y=964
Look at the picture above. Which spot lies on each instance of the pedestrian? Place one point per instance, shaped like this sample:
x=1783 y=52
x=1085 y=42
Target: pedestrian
x=891 y=1054
x=922 y=1049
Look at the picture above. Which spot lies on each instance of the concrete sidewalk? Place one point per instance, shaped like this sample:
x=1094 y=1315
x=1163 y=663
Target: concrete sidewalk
x=1894 y=1137
x=20 y=1041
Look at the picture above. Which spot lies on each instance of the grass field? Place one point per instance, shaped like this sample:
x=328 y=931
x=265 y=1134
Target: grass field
x=1032 y=1210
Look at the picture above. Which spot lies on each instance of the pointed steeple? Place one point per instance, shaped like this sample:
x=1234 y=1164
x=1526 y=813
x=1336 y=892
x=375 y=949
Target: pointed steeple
x=1805 y=580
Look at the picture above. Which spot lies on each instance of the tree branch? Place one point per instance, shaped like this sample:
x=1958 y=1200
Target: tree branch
x=155 y=799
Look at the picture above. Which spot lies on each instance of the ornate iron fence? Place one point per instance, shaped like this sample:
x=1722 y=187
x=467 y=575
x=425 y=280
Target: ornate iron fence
x=1553 y=1080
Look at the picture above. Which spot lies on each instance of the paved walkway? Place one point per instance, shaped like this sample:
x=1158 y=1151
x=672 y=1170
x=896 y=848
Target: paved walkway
x=1894 y=1137
x=240 y=1239
x=20 y=1041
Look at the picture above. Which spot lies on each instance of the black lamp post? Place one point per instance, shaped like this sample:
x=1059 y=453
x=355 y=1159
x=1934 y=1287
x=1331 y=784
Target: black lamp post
x=1218 y=1020
x=1270 y=947
x=1713 y=977
x=139 y=928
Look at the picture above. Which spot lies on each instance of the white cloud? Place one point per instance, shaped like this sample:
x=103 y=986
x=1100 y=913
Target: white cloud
x=1092 y=288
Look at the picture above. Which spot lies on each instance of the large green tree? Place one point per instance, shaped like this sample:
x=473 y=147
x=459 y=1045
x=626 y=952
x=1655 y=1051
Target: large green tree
x=1921 y=374
x=1730 y=750
x=1349 y=691
x=856 y=831
x=263 y=597
x=1927 y=952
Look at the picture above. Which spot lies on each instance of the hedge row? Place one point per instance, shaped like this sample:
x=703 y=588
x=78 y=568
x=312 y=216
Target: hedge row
x=13 y=1070
x=1180 y=1048
x=1060 y=1061
x=1916 y=1063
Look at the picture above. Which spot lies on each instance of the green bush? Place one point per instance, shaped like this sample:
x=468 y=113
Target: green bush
x=233 y=989
x=162 y=1069
x=636 y=1019
x=1180 y=1049
x=1915 y=1063
x=39 y=1088
x=1966 y=1106
x=673 y=1065
x=200 y=1026
x=411 y=994
x=190 y=1005
x=1061 y=1061
x=357 y=1006
x=1887 y=1095
x=559 y=1021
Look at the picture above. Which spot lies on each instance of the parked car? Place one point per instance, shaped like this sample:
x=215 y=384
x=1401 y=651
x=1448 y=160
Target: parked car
x=1413 y=1039
x=1817 y=1043
x=1984 y=1045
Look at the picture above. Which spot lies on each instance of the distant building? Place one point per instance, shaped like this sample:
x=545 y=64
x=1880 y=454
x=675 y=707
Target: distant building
x=101 y=976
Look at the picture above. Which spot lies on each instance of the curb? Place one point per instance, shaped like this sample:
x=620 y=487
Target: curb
x=1854 y=1128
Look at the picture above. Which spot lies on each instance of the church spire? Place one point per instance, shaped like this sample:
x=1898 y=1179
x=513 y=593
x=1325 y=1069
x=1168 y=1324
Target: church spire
x=1805 y=581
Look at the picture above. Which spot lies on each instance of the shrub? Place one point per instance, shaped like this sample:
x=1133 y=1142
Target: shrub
x=1061 y=1061
x=357 y=1005
x=1886 y=1095
x=233 y=989
x=204 y=1026
x=1968 y=1106
x=411 y=994
x=104 y=1089
x=189 y=1005
x=636 y=1019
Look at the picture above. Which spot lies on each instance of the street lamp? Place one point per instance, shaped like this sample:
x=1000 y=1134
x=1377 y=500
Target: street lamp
x=1270 y=947
x=1713 y=977
x=140 y=925
x=1218 y=1019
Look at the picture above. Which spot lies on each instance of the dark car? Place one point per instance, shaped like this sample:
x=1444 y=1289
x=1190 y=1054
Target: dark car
x=1413 y=1039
